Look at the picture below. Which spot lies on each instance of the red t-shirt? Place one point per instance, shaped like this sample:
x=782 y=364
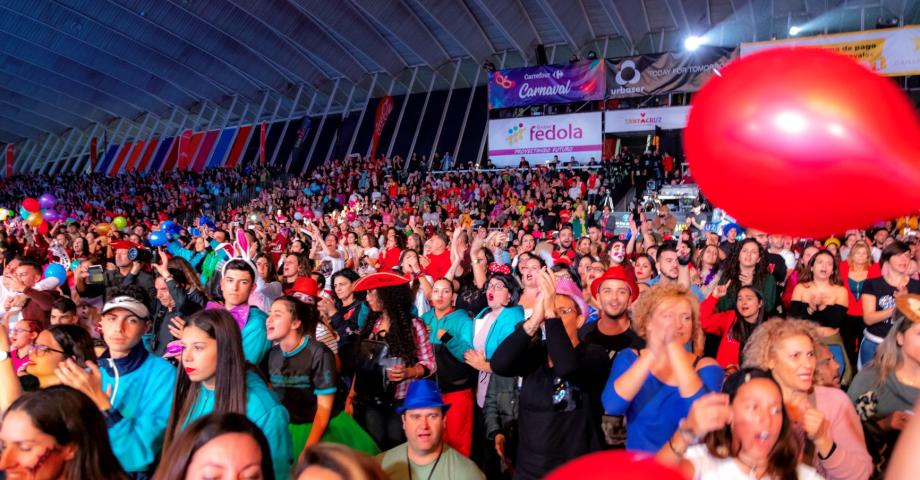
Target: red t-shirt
x=439 y=265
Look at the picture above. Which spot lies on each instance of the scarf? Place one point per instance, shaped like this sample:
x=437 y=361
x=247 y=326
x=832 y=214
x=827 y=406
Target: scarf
x=240 y=313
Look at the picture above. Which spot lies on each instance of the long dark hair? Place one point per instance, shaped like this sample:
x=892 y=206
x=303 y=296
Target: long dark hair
x=741 y=330
x=784 y=455
x=230 y=386
x=75 y=342
x=71 y=418
x=178 y=457
x=733 y=270
x=808 y=274
x=185 y=274
x=306 y=313
x=397 y=304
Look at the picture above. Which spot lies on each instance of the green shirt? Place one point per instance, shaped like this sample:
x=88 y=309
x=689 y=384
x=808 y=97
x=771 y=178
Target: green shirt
x=452 y=465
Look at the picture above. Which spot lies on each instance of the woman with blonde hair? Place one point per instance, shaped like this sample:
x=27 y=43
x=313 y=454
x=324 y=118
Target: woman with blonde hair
x=655 y=386
x=822 y=417
x=854 y=271
x=886 y=390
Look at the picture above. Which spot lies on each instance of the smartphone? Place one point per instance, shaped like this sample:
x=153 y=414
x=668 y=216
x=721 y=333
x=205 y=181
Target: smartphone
x=96 y=274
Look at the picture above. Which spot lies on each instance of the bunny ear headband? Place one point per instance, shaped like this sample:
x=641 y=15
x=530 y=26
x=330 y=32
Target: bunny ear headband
x=241 y=247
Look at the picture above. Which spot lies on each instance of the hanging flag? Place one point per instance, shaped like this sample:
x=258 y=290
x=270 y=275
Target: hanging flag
x=262 y=144
x=93 y=153
x=9 y=160
x=185 y=150
x=383 y=112
x=301 y=143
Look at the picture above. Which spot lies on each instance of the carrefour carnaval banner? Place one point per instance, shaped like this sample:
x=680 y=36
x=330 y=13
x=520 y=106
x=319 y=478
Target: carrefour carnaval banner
x=539 y=139
x=544 y=84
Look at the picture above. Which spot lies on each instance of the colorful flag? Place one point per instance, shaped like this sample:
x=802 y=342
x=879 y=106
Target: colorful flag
x=383 y=112
x=93 y=153
x=9 y=160
x=262 y=144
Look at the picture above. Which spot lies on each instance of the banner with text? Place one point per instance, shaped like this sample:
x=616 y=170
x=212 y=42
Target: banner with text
x=663 y=73
x=645 y=119
x=891 y=51
x=574 y=82
x=540 y=138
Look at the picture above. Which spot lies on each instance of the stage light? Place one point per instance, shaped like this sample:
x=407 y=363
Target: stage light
x=794 y=30
x=592 y=55
x=693 y=42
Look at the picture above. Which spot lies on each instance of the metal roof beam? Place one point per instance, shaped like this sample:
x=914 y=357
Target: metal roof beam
x=457 y=20
x=505 y=14
x=569 y=18
x=409 y=29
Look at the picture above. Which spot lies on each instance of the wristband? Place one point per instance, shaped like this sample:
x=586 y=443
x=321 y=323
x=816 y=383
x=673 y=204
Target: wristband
x=112 y=417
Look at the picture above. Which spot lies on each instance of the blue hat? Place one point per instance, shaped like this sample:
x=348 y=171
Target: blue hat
x=730 y=226
x=423 y=394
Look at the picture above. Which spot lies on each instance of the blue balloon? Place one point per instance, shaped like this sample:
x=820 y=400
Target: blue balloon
x=56 y=270
x=258 y=189
x=195 y=232
x=157 y=239
x=168 y=226
x=203 y=220
x=24 y=213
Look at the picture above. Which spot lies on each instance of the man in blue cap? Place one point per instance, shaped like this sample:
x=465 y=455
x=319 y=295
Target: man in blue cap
x=425 y=455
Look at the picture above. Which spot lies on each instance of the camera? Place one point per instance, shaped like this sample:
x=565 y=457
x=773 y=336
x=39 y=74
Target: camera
x=141 y=255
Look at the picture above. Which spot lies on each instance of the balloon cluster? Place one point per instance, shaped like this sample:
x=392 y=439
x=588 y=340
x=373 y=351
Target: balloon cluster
x=168 y=230
x=37 y=212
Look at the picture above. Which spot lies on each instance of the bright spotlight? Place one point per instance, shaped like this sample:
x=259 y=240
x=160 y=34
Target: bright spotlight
x=693 y=42
x=794 y=30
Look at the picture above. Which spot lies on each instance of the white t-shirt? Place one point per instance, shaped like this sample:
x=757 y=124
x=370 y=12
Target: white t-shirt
x=708 y=467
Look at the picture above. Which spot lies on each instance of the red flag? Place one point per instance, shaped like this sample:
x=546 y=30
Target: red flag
x=93 y=153
x=9 y=160
x=262 y=144
x=185 y=150
x=383 y=112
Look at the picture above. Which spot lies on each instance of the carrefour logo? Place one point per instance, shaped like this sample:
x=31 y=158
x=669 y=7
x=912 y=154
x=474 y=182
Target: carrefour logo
x=558 y=74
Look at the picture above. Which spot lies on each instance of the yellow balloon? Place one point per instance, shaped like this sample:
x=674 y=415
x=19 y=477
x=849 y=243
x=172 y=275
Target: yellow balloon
x=34 y=219
x=4 y=214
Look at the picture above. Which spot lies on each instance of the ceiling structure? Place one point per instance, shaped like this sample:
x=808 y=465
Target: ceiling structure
x=73 y=69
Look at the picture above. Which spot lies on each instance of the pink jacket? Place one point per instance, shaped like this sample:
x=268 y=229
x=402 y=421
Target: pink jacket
x=851 y=460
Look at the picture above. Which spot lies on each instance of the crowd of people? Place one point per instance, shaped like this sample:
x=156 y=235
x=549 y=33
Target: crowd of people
x=367 y=322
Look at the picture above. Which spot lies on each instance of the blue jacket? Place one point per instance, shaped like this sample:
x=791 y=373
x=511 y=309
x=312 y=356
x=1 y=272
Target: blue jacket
x=265 y=410
x=460 y=327
x=142 y=398
x=255 y=341
x=507 y=319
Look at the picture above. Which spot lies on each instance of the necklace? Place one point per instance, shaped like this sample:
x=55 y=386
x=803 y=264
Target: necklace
x=436 y=460
x=752 y=469
x=906 y=381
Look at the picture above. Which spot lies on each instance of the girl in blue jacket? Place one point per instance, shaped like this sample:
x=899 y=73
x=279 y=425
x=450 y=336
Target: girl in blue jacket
x=214 y=378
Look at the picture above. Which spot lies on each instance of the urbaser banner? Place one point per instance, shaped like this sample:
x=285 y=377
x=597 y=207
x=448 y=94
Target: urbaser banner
x=663 y=73
x=544 y=84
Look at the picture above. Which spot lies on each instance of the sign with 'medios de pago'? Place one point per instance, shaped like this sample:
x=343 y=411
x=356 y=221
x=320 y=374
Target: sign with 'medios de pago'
x=539 y=139
x=545 y=84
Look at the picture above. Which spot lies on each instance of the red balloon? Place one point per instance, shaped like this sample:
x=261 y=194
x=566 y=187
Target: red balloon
x=31 y=205
x=599 y=465
x=43 y=228
x=804 y=142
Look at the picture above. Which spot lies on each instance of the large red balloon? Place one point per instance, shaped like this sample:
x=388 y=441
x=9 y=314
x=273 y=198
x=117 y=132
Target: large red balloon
x=805 y=142
x=31 y=205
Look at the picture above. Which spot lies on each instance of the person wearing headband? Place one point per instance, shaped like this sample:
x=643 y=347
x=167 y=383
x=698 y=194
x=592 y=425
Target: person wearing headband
x=131 y=387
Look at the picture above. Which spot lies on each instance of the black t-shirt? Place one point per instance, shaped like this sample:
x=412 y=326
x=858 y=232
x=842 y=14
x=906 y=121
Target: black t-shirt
x=589 y=333
x=302 y=374
x=884 y=299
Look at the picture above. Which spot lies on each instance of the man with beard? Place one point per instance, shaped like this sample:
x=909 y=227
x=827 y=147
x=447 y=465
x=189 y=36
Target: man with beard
x=670 y=267
x=614 y=292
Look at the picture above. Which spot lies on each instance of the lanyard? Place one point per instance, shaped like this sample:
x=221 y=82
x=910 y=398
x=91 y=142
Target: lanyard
x=436 y=460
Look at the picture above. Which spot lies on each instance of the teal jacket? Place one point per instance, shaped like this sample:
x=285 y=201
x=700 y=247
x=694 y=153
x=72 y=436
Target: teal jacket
x=142 y=401
x=265 y=410
x=255 y=341
x=176 y=249
x=460 y=327
x=507 y=319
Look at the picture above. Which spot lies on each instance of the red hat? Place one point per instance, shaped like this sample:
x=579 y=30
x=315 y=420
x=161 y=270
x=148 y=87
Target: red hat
x=124 y=245
x=304 y=285
x=617 y=273
x=379 y=280
x=627 y=465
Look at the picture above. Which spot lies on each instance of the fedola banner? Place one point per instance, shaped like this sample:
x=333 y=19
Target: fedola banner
x=891 y=51
x=663 y=73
